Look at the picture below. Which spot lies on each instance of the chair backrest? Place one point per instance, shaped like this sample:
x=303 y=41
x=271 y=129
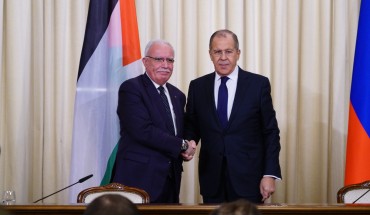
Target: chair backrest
x=136 y=195
x=354 y=192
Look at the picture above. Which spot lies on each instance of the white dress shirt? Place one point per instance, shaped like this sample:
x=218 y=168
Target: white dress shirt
x=169 y=101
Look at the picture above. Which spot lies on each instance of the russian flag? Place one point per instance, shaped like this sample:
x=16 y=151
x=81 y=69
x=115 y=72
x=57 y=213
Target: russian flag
x=110 y=55
x=358 y=142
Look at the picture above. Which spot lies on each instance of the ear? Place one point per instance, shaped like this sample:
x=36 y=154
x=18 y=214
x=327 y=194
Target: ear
x=145 y=61
x=238 y=52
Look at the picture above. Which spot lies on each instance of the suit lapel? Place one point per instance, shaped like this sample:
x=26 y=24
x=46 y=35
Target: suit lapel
x=154 y=95
x=176 y=106
x=241 y=88
x=210 y=97
x=210 y=92
x=157 y=101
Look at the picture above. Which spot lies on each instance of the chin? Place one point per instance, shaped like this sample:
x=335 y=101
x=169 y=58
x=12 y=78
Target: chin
x=224 y=72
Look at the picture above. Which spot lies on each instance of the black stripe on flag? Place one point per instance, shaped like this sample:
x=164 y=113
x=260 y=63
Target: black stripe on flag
x=98 y=19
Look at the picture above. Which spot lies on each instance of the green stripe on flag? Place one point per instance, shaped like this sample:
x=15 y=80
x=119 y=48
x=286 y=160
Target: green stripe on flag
x=108 y=171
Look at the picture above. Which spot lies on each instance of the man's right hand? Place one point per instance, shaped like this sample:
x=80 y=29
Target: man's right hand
x=189 y=153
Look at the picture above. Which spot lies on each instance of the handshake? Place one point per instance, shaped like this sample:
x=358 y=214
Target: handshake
x=188 y=154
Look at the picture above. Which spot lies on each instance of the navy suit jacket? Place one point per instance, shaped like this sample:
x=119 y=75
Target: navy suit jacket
x=250 y=143
x=146 y=147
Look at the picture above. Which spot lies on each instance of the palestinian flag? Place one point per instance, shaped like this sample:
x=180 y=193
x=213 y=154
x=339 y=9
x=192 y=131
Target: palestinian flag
x=110 y=55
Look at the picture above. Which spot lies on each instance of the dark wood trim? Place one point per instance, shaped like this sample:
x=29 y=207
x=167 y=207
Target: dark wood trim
x=344 y=190
x=184 y=209
x=117 y=187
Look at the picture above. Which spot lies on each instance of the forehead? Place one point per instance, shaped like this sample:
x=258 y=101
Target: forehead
x=160 y=50
x=223 y=42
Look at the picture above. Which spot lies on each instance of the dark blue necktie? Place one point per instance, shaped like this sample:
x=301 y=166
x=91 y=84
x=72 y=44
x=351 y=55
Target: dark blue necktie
x=222 y=101
x=169 y=120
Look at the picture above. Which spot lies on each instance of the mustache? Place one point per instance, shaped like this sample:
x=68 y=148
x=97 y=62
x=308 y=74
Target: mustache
x=164 y=70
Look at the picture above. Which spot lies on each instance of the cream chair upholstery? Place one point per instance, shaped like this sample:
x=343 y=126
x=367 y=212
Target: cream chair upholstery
x=136 y=195
x=354 y=193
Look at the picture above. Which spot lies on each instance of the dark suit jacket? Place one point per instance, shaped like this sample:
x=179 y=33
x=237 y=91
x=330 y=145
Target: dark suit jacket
x=250 y=143
x=146 y=147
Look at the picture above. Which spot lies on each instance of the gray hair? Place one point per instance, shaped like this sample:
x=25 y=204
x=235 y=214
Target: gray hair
x=157 y=41
x=223 y=33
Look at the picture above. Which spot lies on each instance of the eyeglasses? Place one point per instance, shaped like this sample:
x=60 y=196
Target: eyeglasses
x=228 y=52
x=162 y=59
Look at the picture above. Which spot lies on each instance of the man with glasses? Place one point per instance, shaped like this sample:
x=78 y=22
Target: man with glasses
x=151 y=113
x=231 y=112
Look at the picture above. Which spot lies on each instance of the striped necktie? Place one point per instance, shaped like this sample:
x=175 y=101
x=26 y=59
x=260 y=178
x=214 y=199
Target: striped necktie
x=169 y=120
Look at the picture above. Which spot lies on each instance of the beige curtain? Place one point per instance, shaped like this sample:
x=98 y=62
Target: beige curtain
x=305 y=47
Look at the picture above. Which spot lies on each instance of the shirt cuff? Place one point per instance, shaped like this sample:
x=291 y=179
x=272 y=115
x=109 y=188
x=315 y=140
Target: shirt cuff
x=272 y=176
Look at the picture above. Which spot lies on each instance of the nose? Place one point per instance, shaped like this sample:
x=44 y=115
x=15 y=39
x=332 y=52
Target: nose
x=223 y=55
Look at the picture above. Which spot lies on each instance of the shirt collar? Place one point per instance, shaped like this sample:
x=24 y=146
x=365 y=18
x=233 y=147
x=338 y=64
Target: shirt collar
x=157 y=85
x=233 y=75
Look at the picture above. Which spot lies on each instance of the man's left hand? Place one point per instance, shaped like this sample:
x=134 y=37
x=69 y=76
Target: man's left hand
x=267 y=187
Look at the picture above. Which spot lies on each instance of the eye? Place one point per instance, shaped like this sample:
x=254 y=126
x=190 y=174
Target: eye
x=217 y=52
x=229 y=52
x=159 y=59
x=170 y=60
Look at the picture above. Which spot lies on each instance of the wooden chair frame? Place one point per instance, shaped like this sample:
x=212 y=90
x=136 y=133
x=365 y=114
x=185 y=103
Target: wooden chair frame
x=360 y=186
x=113 y=188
